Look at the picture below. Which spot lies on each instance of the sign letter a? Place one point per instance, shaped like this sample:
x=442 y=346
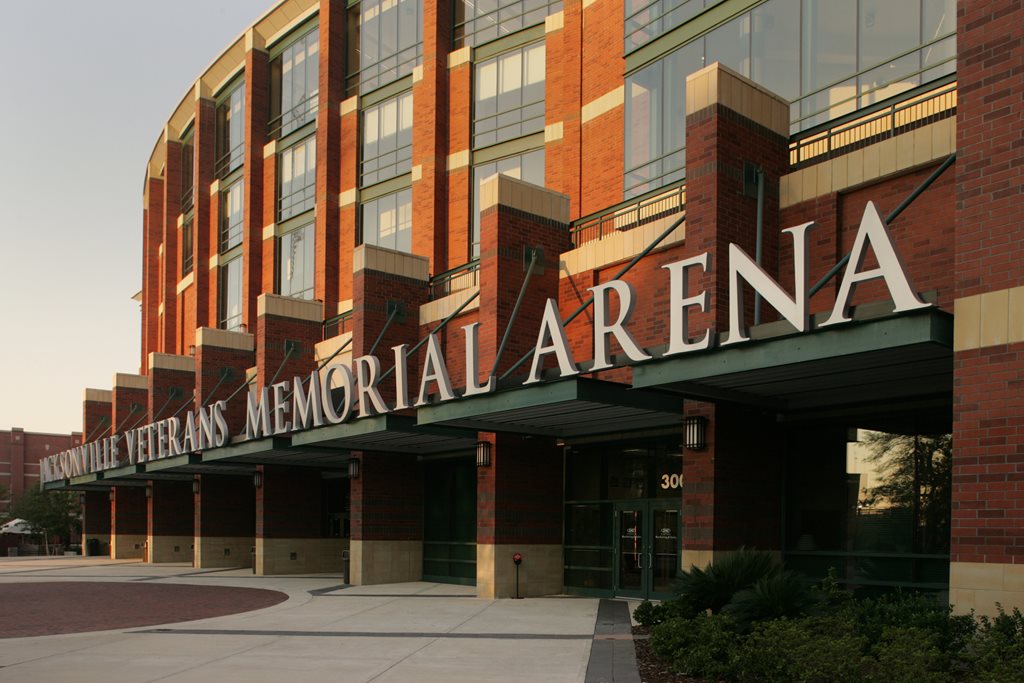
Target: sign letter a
x=874 y=231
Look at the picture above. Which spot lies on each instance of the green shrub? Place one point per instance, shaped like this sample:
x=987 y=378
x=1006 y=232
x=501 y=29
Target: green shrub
x=911 y=655
x=705 y=645
x=783 y=594
x=911 y=610
x=649 y=614
x=996 y=653
x=809 y=650
x=714 y=586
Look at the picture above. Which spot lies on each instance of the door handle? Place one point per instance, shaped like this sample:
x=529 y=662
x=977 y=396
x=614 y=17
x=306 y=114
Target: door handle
x=639 y=560
x=650 y=560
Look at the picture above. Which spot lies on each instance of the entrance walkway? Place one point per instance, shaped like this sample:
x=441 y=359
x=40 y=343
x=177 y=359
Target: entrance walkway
x=321 y=631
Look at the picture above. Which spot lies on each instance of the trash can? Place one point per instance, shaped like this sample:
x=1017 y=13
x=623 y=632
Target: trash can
x=92 y=547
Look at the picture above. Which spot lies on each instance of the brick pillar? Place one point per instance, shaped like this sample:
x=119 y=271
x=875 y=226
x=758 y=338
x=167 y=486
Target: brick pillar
x=281 y=322
x=130 y=399
x=291 y=523
x=170 y=524
x=96 y=411
x=430 y=143
x=459 y=174
x=563 y=99
x=222 y=358
x=153 y=217
x=987 y=544
x=269 y=238
x=348 y=207
x=225 y=521
x=387 y=519
x=519 y=497
x=519 y=510
x=257 y=112
x=731 y=121
x=169 y=262
x=172 y=381
x=127 y=522
x=96 y=521
x=205 y=214
x=328 y=267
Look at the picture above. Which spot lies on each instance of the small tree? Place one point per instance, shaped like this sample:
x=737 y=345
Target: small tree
x=47 y=514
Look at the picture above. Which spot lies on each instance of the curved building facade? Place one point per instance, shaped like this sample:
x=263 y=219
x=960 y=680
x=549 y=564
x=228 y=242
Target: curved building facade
x=613 y=287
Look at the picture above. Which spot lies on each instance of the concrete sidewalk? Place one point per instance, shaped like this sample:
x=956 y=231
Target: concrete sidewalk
x=322 y=632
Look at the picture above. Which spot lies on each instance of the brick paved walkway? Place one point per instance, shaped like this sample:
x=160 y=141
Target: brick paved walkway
x=38 y=608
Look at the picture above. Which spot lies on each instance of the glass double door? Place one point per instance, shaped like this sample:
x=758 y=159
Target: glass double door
x=647 y=548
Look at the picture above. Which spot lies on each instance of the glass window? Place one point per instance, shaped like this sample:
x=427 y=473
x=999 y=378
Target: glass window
x=231 y=216
x=528 y=167
x=390 y=41
x=387 y=139
x=647 y=19
x=295 y=263
x=730 y=45
x=231 y=294
x=186 y=246
x=829 y=56
x=656 y=120
x=387 y=221
x=187 y=174
x=297 y=178
x=509 y=99
x=295 y=85
x=886 y=29
x=231 y=132
x=479 y=22
x=775 y=47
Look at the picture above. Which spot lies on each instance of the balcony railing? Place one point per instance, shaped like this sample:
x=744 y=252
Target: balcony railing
x=628 y=215
x=465 y=276
x=339 y=324
x=296 y=117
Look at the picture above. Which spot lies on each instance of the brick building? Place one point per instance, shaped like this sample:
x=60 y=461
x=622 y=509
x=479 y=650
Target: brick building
x=20 y=453
x=374 y=197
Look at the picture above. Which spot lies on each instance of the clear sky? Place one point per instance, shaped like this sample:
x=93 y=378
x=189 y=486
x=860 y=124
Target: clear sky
x=86 y=89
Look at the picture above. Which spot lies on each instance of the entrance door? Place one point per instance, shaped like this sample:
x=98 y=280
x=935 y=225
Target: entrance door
x=646 y=548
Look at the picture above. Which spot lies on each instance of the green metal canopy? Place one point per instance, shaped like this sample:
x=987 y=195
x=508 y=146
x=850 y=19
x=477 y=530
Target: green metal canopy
x=389 y=432
x=274 y=450
x=564 y=408
x=898 y=361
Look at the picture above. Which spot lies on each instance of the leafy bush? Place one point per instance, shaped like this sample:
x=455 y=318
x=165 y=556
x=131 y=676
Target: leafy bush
x=649 y=614
x=911 y=655
x=803 y=650
x=783 y=594
x=996 y=653
x=713 y=587
x=705 y=645
x=911 y=610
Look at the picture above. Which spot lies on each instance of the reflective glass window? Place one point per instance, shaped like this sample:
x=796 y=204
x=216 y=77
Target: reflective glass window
x=186 y=246
x=387 y=221
x=187 y=174
x=390 y=41
x=231 y=216
x=231 y=294
x=297 y=174
x=387 y=139
x=481 y=21
x=231 y=132
x=296 y=80
x=509 y=96
x=295 y=262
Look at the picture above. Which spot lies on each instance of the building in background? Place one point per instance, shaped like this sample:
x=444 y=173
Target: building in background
x=20 y=453
x=347 y=179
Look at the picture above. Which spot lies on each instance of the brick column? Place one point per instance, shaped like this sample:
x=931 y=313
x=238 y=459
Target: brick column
x=169 y=338
x=254 y=185
x=172 y=381
x=730 y=121
x=153 y=217
x=519 y=497
x=430 y=143
x=205 y=216
x=387 y=519
x=225 y=521
x=127 y=522
x=170 y=523
x=348 y=207
x=329 y=141
x=96 y=411
x=987 y=544
x=563 y=163
x=96 y=521
x=222 y=359
x=130 y=400
x=459 y=174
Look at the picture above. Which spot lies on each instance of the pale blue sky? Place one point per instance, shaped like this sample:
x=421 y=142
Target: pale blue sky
x=86 y=89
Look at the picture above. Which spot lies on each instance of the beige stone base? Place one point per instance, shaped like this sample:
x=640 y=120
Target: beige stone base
x=104 y=540
x=170 y=549
x=214 y=552
x=540 y=573
x=299 y=555
x=127 y=546
x=979 y=586
x=374 y=562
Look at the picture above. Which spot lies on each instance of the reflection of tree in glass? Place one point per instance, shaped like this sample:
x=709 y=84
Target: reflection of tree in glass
x=917 y=476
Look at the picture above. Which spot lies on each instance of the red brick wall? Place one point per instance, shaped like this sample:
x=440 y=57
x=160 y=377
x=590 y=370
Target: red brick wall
x=123 y=417
x=328 y=148
x=289 y=503
x=170 y=270
x=257 y=111
x=151 y=236
x=519 y=497
x=271 y=334
x=225 y=506
x=170 y=509
x=204 y=226
x=387 y=498
x=128 y=510
x=95 y=420
x=169 y=390
x=96 y=514
x=20 y=453
x=211 y=361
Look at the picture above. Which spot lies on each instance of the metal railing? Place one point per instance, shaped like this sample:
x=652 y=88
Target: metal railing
x=339 y=324
x=628 y=215
x=296 y=117
x=464 y=276
x=230 y=160
x=848 y=133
